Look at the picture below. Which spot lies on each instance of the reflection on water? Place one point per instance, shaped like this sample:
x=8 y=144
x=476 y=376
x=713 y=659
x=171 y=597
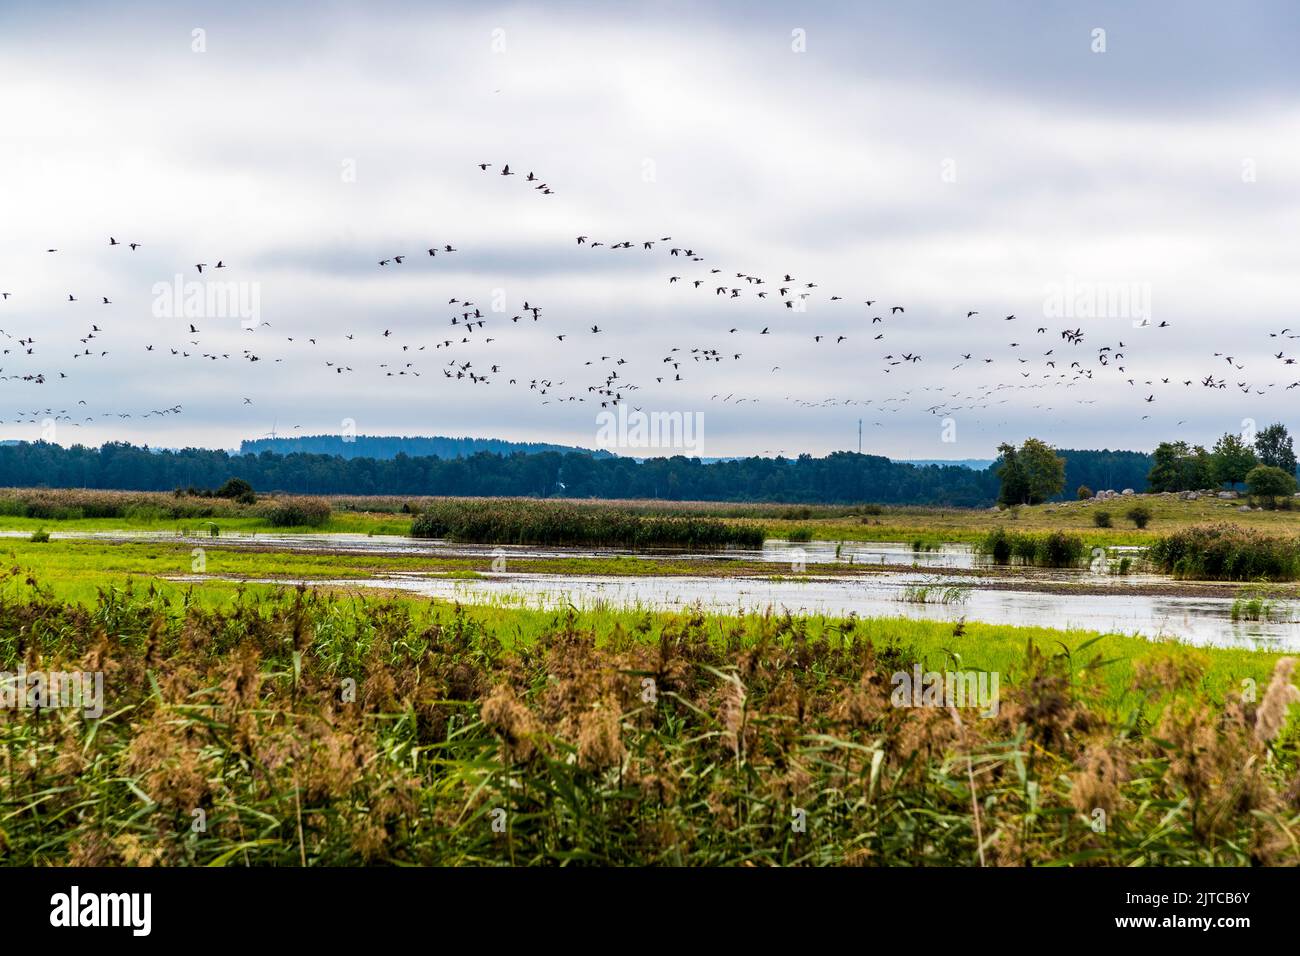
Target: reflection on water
x=869 y=552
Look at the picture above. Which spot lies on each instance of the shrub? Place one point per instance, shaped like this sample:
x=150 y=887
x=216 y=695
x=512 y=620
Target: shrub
x=1057 y=549
x=1060 y=550
x=1140 y=515
x=1227 y=552
x=299 y=512
x=1101 y=519
x=1084 y=493
x=1024 y=547
x=40 y=536
x=237 y=489
x=1270 y=483
x=997 y=545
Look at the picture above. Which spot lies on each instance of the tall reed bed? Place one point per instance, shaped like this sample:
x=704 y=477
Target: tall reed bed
x=395 y=504
x=145 y=507
x=66 y=504
x=1054 y=549
x=307 y=729
x=296 y=511
x=1227 y=552
x=516 y=521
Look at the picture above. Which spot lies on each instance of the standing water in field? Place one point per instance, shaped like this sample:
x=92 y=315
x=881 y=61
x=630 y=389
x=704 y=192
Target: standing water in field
x=906 y=592
x=776 y=551
x=1194 y=620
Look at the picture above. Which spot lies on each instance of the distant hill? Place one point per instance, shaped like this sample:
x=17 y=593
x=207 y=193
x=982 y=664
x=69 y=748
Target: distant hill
x=388 y=447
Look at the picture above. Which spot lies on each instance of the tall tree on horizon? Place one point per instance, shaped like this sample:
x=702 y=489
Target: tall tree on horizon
x=1031 y=474
x=1180 y=467
x=1233 y=459
x=1274 y=448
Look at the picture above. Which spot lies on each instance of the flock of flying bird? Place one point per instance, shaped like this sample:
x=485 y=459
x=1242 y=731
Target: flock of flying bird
x=1028 y=355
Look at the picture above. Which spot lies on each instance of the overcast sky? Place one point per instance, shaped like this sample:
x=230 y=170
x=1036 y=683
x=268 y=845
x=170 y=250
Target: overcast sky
x=945 y=157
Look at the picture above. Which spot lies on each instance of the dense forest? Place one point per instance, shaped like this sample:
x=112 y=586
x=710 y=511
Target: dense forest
x=390 y=446
x=842 y=477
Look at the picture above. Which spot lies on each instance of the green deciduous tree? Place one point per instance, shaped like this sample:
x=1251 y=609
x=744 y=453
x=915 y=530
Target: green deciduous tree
x=1273 y=446
x=1267 y=481
x=1030 y=474
x=236 y=488
x=1233 y=459
x=1180 y=467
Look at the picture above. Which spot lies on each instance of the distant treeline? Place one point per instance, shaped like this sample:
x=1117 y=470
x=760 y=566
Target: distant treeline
x=1104 y=470
x=390 y=446
x=839 y=478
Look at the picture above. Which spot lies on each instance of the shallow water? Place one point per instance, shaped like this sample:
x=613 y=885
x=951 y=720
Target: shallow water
x=774 y=551
x=1203 y=621
x=1195 y=620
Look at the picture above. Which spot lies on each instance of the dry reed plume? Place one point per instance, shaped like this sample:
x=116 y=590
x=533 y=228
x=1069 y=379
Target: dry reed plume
x=312 y=729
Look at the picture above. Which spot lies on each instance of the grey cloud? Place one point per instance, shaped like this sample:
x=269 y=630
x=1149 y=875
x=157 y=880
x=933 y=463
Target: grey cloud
x=1070 y=165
